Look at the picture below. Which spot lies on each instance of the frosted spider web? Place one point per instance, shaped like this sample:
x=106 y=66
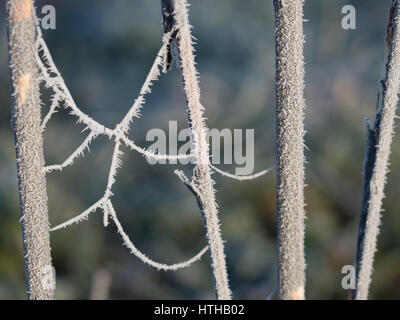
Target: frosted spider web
x=62 y=98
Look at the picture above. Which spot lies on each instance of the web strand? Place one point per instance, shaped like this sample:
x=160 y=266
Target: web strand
x=62 y=99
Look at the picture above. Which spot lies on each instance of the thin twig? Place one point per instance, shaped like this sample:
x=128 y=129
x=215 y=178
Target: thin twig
x=176 y=21
x=377 y=158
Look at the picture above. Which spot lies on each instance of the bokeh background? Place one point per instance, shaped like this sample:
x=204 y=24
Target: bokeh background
x=104 y=50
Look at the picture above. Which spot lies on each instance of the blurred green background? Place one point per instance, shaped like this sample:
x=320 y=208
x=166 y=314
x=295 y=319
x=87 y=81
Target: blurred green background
x=104 y=50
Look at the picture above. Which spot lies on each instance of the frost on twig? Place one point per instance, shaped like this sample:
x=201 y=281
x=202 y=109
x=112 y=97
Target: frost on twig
x=176 y=23
x=377 y=157
x=290 y=106
x=176 y=20
x=53 y=79
x=177 y=35
x=26 y=122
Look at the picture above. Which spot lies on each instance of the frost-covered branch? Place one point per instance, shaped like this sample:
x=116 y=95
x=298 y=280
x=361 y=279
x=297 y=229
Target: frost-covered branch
x=377 y=158
x=176 y=21
x=289 y=41
x=26 y=114
x=177 y=32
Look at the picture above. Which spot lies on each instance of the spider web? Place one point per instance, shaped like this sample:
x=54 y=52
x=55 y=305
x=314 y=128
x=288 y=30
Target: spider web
x=62 y=98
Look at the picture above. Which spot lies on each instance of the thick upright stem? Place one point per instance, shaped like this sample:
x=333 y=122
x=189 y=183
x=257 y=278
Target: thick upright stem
x=377 y=158
x=176 y=20
x=290 y=144
x=26 y=119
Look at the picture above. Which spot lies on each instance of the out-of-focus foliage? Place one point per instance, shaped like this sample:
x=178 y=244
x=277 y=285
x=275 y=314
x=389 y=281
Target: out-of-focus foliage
x=104 y=49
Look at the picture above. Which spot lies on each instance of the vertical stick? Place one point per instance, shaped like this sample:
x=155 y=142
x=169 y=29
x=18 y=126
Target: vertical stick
x=377 y=158
x=176 y=20
x=26 y=120
x=290 y=143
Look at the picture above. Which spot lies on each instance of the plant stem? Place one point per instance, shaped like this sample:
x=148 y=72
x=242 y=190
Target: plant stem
x=377 y=158
x=290 y=106
x=176 y=20
x=26 y=120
